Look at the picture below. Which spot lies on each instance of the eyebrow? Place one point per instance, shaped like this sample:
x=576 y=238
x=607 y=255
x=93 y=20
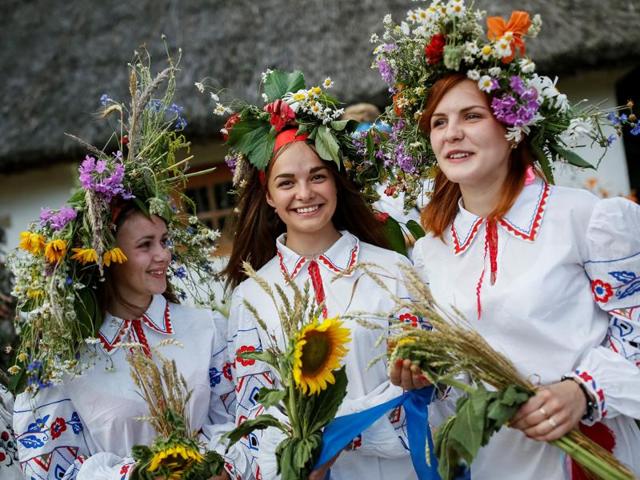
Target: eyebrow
x=463 y=110
x=151 y=237
x=291 y=175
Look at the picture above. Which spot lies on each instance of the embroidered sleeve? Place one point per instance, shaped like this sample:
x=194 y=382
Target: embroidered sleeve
x=613 y=267
x=248 y=376
x=9 y=466
x=50 y=435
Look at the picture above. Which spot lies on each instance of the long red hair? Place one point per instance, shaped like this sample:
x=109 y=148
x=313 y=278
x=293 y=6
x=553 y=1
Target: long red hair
x=443 y=205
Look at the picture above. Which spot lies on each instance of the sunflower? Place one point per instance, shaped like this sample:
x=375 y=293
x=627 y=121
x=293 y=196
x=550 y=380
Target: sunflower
x=32 y=242
x=84 y=255
x=177 y=459
x=55 y=250
x=318 y=351
x=115 y=255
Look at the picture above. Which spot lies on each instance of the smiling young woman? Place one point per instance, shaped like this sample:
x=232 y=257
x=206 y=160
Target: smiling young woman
x=303 y=219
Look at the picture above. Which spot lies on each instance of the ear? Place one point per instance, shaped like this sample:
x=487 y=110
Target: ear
x=268 y=198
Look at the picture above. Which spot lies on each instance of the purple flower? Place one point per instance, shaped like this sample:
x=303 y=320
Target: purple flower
x=155 y=105
x=404 y=160
x=104 y=178
x=613 y=118
x=57 y=220
x=181 y=272
x=635 y=130
x=516 y=112
x=386 y=72
x=610 y=139
x=389 y=47
x=517 y=85
x=181 y=123
x=104 y=99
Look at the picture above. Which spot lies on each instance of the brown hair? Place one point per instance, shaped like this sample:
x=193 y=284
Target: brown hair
x=258 y=225
x=443 y=205
x=107 y=290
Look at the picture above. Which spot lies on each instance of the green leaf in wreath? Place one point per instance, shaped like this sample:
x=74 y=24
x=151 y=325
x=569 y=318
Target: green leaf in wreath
x=88 y=313
x=543 y=160
x=415 y=229
x=339 y=125
x=572 y=157
x=395 y=237
x=278 y=83
x=327 y=145
x=259 y=423
x=257 y=143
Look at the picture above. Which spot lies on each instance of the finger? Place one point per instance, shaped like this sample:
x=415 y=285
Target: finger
x=531 y=405
x=395 y=371
x=534 y=418
x=550 y=428
x=406 y=376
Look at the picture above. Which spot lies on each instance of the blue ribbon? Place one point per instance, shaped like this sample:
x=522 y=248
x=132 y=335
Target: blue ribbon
x=342 y=430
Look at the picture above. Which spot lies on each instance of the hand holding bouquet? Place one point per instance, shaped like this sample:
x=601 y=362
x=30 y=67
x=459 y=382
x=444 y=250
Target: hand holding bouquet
x=176 y=453
x=313 y=384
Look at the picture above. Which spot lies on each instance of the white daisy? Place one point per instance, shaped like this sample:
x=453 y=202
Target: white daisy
x=199 y=86
x=495 y=71
x=473 y=75
x=485 y=83
x=503 y=48
x=374 y=38
x=514 y=134
x=527 y=66
x=328 y=83
x=221 y=110
x=455 y=9
x=387 y=20
x=486 y=51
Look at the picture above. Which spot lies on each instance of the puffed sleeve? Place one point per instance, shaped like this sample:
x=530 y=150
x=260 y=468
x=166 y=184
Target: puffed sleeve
x=50 y=435
x=613 y=267
x=222 y=405
x=249 y=376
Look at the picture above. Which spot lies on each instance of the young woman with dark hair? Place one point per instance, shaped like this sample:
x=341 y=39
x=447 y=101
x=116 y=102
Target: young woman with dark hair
x=302 y=219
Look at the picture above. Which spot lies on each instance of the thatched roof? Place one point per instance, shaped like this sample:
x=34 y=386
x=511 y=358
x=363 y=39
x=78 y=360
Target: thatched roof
x=59 y=56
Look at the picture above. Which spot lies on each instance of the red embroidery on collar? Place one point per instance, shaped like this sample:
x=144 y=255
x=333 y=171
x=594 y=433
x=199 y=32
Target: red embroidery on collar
x=353 y=256
x=283 y=267
x=137 y=327
x=168 y=328
x=108 y=346
x=456 y=242
x=537 y=220
x=318 y=288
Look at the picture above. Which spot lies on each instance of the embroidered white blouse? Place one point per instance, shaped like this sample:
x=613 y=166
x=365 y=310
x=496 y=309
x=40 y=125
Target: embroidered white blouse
x=379 y=452
x=9 y=467
x=85 y=427
x=560 y=259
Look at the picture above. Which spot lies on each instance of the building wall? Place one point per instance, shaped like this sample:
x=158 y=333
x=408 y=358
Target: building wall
x=23 y=194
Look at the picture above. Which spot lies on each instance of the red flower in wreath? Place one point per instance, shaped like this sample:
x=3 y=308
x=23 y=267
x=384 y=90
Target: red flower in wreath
x=435 y=49
x=57 y=427
x=381 y=216
x=231 y=121
x=602 y=291
x=409 y=319
x=245 y=361
x=281 y=114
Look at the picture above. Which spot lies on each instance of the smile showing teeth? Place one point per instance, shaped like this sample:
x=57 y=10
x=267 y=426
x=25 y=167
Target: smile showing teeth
x=307 y=209
x=458 y=155
x=157 y=273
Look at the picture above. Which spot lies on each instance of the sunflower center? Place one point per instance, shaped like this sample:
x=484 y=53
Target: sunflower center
x=315 y=352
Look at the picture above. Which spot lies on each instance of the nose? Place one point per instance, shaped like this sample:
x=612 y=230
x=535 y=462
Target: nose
x=304 y=192
x=454 y=131
x=162 y=252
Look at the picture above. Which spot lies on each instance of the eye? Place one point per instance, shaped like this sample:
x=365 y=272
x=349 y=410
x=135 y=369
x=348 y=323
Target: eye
x=318 y=177
x=284 y=184
x=473 y=116
x=438 y=122
x=145 y=245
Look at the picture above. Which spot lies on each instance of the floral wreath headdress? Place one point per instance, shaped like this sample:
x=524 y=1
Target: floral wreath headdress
x=447 y=37
x=63 y=256
x=291 y=112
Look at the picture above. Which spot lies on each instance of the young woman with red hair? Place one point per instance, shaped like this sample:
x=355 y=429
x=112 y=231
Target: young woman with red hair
x=535 y=268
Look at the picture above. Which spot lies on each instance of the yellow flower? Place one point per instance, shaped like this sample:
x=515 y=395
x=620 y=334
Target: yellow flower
x=84 y=255
x=55 y=250
x=178 y=458
x=318 y=351
x=115 y=255
x=35 y=293
x=22 y=357
x=13 y=370
x=31 y=242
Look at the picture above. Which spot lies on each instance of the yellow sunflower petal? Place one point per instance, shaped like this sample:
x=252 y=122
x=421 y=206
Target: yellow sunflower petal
x=318 y=351
x=55 y=250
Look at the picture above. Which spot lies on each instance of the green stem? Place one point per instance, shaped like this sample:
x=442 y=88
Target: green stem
x=600 y=468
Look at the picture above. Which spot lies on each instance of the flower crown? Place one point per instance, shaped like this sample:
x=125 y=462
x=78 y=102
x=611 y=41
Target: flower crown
x=447 y=37
x=252 y=132
x=62 y=256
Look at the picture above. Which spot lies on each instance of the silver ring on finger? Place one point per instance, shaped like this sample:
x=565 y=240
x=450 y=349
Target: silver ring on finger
x=552 y=422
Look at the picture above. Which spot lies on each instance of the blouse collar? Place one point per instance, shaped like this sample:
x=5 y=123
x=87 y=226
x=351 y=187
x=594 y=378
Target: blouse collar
x=157 y=318
x=522 y=221
x=339 y=258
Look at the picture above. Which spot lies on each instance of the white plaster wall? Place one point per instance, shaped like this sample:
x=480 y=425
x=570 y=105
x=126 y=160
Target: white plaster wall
x=612 y=174
x=22 y=195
